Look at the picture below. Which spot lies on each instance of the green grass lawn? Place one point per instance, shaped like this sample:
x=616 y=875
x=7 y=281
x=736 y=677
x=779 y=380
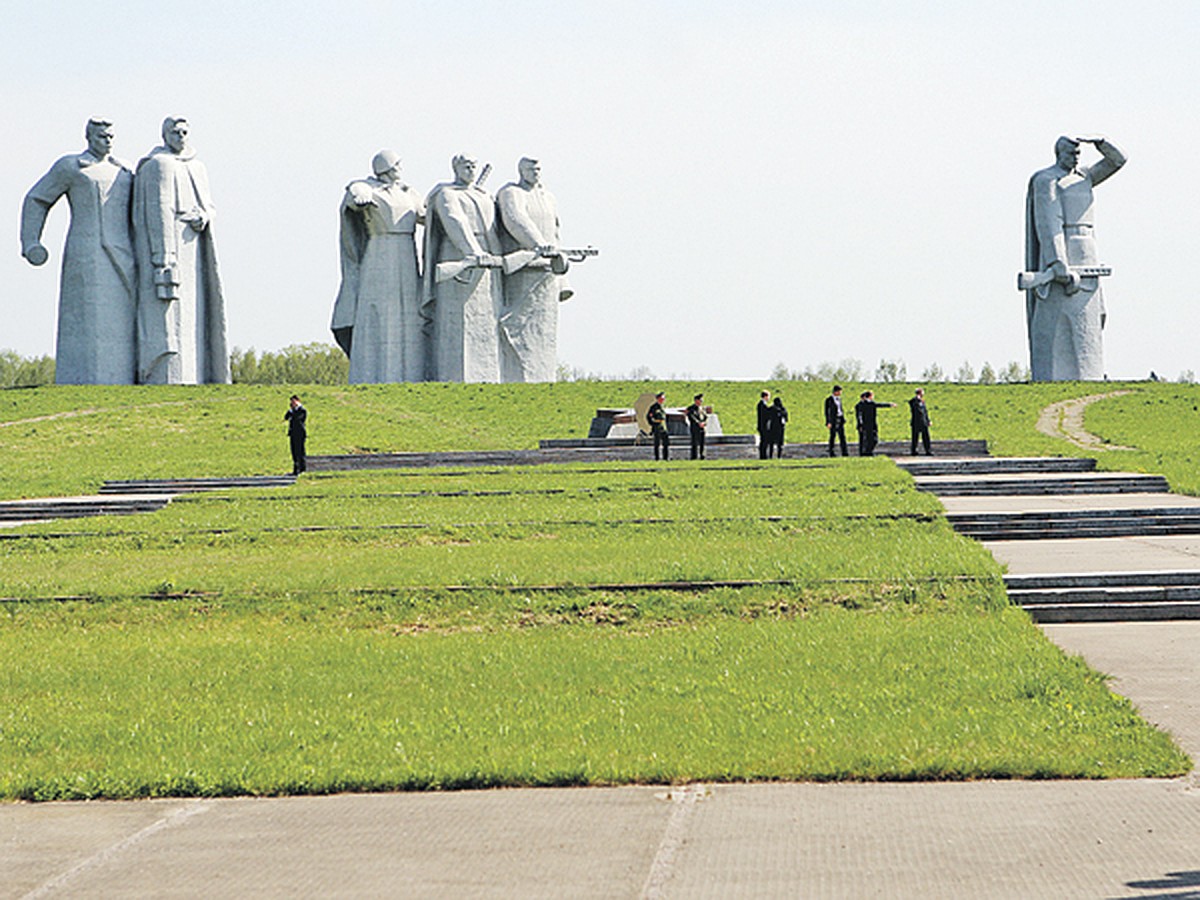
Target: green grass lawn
x=68 y=440
x=510 y=626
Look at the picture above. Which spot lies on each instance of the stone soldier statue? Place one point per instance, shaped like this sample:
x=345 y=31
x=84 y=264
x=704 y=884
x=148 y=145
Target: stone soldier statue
x=181 y=308
x=533 y=288
x=377 y=316
x=97 y=295
x=462 y=288
x=1064 y=302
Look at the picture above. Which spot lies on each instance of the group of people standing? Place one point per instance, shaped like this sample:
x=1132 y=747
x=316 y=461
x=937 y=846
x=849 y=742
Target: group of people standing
x=867 y=422
x=772 y=420
x=697 y=419
x=773 y=417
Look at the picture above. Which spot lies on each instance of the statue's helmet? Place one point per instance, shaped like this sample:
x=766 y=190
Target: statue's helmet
x=385 y=161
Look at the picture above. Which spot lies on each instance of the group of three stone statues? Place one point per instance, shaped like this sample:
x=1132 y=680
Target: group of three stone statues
x=141 y=298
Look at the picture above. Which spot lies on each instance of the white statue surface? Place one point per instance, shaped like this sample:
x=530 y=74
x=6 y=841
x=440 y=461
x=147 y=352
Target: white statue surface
x=1065 y=309
x=377 y=316
x=532 y=289
x=181 y=332
x=97 y=294
x=462 y=290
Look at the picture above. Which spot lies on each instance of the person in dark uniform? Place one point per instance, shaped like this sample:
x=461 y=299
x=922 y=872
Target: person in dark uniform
x=697 y=418
x=920 y=421
x=868 y=425
x=296 y=417
x=835 y=418
x=656 y=415
x=779 y=419
x=764 y=423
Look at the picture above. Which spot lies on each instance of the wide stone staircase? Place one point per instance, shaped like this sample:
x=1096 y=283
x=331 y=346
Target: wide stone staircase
x=1034 y=500
x=191 y=485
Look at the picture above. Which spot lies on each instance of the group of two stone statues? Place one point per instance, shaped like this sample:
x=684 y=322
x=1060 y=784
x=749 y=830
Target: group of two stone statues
x=140 y=300
x=485 y=306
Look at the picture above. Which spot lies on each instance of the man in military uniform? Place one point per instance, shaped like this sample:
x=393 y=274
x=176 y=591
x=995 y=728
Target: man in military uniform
x=656 y=415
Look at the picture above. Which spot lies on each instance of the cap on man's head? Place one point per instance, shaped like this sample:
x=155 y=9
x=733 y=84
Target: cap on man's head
x=660 y=395
x=1065 y=143
x=836 y=388
x=698 y=397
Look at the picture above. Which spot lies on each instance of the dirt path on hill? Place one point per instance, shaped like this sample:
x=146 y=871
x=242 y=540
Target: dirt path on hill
x=91 y=411
x=1065 y=420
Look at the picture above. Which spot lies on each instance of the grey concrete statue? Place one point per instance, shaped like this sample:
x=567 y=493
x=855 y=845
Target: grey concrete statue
x=462 y=291
x=1064 y=301
x=181 y=308
x=532 y=286
x=377 y=315
x=97 y=296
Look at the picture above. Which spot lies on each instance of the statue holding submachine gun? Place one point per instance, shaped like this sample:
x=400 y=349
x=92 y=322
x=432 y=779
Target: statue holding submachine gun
x=494 y=276
x=1064 y=303
x=534 y=276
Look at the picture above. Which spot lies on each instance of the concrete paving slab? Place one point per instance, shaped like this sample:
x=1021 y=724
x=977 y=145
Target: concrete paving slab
x=1117 y=554
x=506 y=843
x=1062 y=502
x=978 y=840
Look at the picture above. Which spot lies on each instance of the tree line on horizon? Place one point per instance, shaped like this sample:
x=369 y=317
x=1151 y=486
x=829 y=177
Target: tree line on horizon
x=321 y=363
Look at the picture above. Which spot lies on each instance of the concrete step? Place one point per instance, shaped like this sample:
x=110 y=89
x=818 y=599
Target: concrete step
x=994 y=465
x=604 y=450
x=1116 y=483
x=1107 y=596
x=1051 y=613
x=44 y=510
x=1081 y=523
x=1093 y=595
x=188 y=485
x=1164 y=578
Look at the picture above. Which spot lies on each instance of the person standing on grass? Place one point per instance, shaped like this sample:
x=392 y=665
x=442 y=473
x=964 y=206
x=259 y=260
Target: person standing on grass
x=779 y=419
x=697 y=417
x=868 y=425
x=920 y=421
x=835 y=418
x=297 y=417
x=764 y=423
x=656 y=415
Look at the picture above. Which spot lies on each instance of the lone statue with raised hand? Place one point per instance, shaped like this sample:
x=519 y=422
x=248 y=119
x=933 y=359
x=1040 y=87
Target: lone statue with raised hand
x=1064 y=303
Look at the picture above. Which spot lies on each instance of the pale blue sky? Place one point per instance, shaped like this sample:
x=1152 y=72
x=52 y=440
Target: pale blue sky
x=768 y=182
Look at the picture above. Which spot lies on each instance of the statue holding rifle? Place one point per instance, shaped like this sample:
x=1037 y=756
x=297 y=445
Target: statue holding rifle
x=462 y=290
x=1065 y=310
